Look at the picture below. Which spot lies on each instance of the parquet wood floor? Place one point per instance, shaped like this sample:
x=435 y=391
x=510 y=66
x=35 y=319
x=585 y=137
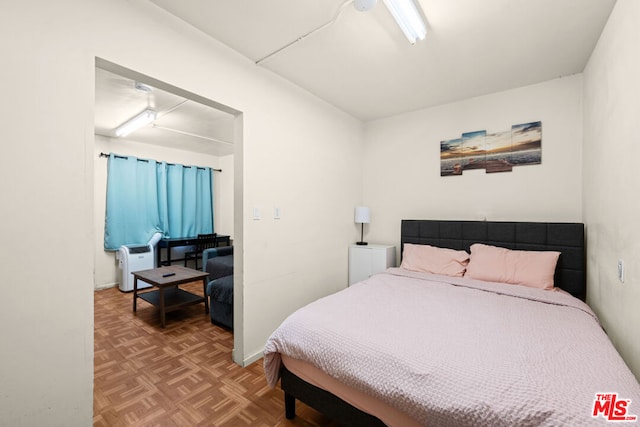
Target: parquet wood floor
x=178 y=376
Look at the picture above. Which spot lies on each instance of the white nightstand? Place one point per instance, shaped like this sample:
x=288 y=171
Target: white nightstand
x=365 y=260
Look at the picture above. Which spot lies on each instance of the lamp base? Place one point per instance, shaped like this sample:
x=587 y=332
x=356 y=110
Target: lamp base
x=361 y=243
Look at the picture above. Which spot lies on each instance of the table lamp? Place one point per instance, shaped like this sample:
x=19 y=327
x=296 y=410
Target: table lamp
x=362 y=217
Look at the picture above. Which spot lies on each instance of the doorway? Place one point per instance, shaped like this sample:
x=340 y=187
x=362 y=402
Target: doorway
x=189 y=129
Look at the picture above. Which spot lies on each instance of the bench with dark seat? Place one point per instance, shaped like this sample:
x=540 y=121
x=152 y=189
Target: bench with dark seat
x=218 y=262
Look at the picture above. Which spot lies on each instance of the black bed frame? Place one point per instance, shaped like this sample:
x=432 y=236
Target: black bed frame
x=567 y=238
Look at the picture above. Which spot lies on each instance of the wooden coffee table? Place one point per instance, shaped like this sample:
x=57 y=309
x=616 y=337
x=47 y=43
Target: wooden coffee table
x=168 y=297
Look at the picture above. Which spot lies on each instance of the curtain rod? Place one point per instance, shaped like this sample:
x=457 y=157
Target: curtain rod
x=144 y=160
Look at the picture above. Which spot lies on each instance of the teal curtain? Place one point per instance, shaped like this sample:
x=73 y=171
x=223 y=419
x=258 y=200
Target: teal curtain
x=204 y=200
x=145 y=196
x=189 y=195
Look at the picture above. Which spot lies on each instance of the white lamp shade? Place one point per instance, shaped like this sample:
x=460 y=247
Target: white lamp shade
x=363 y=215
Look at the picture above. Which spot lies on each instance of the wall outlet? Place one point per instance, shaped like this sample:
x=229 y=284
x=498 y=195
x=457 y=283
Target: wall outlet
x=621 y=270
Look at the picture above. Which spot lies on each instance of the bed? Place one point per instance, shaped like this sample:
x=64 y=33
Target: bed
x=409 y=348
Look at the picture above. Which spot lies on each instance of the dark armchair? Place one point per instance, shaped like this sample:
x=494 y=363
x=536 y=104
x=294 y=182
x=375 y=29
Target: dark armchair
x=218 y=262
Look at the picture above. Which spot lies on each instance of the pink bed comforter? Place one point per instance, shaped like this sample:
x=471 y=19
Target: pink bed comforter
x=453 y=351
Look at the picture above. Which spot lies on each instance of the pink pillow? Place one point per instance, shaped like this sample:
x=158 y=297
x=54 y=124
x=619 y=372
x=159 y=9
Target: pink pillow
x=529 y=268
x=430 y=259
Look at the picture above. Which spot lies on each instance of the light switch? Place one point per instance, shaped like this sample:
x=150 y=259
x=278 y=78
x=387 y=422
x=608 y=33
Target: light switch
x=276 y=212
x=256 y=213
x=621 y=270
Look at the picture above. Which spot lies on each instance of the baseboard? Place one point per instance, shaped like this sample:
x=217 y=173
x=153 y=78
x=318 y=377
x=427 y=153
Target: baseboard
x=105 y=286
x=249 y=360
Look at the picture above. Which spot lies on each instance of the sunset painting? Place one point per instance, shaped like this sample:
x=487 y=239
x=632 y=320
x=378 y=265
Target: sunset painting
x=498 y=149
x=494 y=152
x=451 y=157
x=473 y=150
x=526 y=140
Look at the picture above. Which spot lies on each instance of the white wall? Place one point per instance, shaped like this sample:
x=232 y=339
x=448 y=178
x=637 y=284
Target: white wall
x=611 y=177
x=308 y=164
x=296 y=151
x=106 y=266
x=402 y=162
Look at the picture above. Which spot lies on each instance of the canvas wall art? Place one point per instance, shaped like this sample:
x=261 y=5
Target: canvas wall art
x=494 y=152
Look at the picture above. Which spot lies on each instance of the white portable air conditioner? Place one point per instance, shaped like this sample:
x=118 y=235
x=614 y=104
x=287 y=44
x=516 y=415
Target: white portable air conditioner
x=133 y=258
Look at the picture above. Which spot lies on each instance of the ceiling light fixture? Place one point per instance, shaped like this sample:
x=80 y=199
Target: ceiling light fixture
x=404 y=12
x=364 y=5
x=408 y=18
x=141 y=87
x=135 y=123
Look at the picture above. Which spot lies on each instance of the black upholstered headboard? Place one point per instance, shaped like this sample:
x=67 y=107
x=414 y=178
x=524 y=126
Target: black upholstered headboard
x=567 y=238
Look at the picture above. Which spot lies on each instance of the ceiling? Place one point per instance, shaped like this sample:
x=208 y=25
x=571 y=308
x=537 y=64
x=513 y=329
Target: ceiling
x=360 y=61
x=181 y=122
x=363 y=64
